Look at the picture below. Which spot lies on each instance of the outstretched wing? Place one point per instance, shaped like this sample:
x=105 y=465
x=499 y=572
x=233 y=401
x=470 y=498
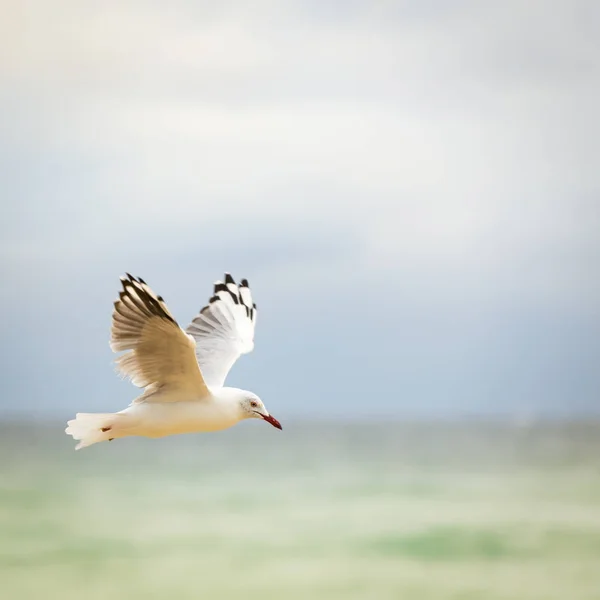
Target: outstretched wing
x=224 y=329
x=161 y=356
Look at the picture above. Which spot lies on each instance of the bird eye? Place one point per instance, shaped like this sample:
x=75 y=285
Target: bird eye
x=253 y=403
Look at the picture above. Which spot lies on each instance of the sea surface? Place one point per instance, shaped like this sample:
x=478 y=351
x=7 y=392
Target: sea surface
x=325 y=510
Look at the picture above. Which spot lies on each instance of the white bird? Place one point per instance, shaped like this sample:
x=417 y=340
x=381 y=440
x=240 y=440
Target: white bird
x=182 y=372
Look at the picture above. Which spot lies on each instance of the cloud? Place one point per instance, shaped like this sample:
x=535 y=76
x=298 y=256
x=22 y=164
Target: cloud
x=442 y=154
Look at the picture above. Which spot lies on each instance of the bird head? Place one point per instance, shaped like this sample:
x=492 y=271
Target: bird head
x=253 y=408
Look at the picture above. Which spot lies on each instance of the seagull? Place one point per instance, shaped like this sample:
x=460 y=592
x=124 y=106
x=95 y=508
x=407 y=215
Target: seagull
x=181 y=371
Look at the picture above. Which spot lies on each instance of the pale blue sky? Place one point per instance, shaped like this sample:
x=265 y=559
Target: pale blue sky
x=412 y=189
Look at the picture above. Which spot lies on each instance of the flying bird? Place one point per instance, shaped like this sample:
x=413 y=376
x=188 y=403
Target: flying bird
x=181 y=371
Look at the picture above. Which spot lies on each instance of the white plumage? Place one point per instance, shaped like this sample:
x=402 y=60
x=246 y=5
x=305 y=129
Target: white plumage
x=182 y=372
x=224 y=329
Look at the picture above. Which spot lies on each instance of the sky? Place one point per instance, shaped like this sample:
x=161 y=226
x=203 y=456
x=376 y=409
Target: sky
x=411 y=187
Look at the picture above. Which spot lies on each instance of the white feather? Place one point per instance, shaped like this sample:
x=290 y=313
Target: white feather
x=223 y=330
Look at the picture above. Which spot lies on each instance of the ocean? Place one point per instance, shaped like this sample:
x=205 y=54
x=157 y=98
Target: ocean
x=326 y=510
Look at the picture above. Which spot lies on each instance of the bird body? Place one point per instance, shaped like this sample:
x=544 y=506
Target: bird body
x=182 y=372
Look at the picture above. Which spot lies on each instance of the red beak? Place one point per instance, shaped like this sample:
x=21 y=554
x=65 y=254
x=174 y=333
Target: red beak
x=272 y=420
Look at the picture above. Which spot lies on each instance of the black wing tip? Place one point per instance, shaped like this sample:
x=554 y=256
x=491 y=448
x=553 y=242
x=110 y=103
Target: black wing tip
x=132 y=279
x=154 y=304
x=222 y=287
x=129 y=279
x=229 y=279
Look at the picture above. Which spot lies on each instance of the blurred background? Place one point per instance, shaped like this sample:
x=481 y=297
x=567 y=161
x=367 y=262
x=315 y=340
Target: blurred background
x=412 y=189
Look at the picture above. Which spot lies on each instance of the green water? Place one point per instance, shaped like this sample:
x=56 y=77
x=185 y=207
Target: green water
x=383 y=511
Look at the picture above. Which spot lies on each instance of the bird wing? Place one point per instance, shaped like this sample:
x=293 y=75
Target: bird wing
x=160 y=355
x=224 y=329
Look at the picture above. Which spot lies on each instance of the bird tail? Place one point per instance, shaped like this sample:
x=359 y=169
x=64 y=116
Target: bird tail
x=91 y=428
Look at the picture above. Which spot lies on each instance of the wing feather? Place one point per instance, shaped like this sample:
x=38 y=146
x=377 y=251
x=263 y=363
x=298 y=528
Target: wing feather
x=159 y=355
x=224 y=329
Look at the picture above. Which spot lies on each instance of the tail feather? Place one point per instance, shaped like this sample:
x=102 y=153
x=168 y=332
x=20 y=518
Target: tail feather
x=91 y=428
